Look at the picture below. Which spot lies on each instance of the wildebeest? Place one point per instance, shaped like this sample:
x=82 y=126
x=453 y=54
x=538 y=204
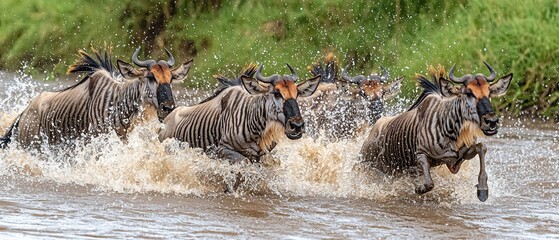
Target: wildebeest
x=243 y=121
x=343 y=105
x=441 y=127
x=100 y=102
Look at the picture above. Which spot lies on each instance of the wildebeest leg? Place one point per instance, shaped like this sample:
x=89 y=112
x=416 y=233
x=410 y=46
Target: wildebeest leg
x=426 y=167
x=482 y=189
x=233 y=157
x=4 y=141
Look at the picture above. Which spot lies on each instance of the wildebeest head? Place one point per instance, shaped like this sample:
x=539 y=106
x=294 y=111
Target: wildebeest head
x=477 y=91
x=283 y=92
x=374 y=88
x=158 y=77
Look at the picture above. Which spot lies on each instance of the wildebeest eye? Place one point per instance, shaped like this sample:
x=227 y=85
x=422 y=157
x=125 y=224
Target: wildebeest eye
x=151 y=77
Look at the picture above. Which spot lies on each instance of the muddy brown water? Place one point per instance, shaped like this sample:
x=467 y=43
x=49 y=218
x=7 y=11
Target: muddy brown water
x=148 y=189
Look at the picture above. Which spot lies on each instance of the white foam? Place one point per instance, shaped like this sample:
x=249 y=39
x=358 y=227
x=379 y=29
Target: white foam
x=305 y=167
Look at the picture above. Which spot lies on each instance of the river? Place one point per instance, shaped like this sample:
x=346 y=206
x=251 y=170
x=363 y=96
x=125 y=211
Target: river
x=148 y=189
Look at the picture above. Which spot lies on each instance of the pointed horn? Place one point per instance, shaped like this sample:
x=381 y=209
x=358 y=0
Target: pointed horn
x=492 y=71
x=294 y=75
x=346 y=77
x=453 y=78
x=384 y=76
x=269 y=79
x=355 y=80
x=146 y=63
x=171 y=60
x=358 y=79
x=331 y=70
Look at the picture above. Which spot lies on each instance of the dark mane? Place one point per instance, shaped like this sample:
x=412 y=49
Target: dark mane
x=329 y=71
x=225 y=83
x=89 y=65
x=429 y=88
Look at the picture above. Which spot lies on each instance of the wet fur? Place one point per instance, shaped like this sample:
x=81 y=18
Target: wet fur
x=393 y=142
x=469 y=134
x=271 y=135
x=82 y=108
x=233 y=119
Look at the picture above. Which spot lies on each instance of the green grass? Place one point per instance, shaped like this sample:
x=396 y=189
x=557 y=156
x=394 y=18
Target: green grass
x=46 y=35
x=404 y=36
x=514 y=36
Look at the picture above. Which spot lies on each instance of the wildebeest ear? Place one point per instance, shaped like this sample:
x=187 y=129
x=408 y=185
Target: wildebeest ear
x=500 y=87
x=447 y=88
x=180 y=73
x=127 y=70
x=393 y=89
x=308 y=87
x=254 y=86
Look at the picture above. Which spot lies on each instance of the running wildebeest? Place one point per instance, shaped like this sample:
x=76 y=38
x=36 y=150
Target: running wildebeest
x=243 y=121
x=100 y=102
x=441 y=127
x=344 y=105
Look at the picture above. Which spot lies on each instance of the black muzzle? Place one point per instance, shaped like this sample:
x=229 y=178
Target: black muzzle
x=165 y=101
x=294 y=125
x=488 y=119
x=376 y=109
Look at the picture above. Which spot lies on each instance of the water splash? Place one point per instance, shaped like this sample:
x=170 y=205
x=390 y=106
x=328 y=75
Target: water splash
x=305 y=167
x=302 y=168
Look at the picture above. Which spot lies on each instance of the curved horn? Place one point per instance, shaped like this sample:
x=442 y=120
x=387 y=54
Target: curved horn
x=355 y=80
x=345 y=76
x=358 y=79
x=269 y=79
x=455 y=79
x=492 y=71
x=171 y=60
x=146 y=63
x=293 y=73
x=384 y=76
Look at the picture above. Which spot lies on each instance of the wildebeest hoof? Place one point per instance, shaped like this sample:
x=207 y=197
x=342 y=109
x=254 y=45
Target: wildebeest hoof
x=421 y=189
x=482 y=195
x=229 y=189
x=4 y=142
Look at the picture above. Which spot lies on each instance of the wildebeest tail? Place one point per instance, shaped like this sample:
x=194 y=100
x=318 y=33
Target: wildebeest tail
x=89 y=64
x=328 y=71
x=7 y=138
x=429 y=87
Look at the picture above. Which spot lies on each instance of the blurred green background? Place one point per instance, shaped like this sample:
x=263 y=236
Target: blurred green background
x=518 y=36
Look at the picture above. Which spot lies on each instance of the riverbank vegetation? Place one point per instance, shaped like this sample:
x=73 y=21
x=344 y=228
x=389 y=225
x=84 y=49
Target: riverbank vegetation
x=404 y=36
